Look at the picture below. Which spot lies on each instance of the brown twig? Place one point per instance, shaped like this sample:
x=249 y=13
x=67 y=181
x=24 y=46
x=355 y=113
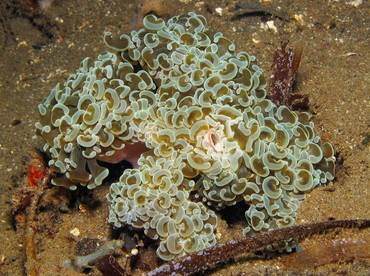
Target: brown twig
x=210 y=257
x=38 y=177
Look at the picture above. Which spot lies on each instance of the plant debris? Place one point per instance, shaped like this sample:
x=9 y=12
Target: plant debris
x=27 y=203
x=81 y=262
x=147 y=259
x=328 y=252
x=245 y=8
x=284 y=69
x=210 y=257
x=109 y=266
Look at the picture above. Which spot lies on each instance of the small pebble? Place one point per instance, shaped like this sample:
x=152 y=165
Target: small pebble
x=75 y=232
x=219 y=11
x=134 y=251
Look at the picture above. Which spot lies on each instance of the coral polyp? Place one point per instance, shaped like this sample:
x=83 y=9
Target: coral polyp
x=191 y=114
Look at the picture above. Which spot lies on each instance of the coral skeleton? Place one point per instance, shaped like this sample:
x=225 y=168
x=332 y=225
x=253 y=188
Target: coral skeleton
x=192 y=115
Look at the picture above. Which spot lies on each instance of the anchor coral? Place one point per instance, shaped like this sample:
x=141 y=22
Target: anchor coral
x=197 y=113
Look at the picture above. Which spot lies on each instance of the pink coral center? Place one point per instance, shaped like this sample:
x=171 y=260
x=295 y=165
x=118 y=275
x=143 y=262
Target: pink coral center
x=213 y=140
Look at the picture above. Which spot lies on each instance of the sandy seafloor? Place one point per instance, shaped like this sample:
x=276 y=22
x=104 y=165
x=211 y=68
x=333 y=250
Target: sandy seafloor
x=334 y=74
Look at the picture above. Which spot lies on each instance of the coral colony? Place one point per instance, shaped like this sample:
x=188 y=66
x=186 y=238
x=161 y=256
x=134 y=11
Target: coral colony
x=192 y=117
